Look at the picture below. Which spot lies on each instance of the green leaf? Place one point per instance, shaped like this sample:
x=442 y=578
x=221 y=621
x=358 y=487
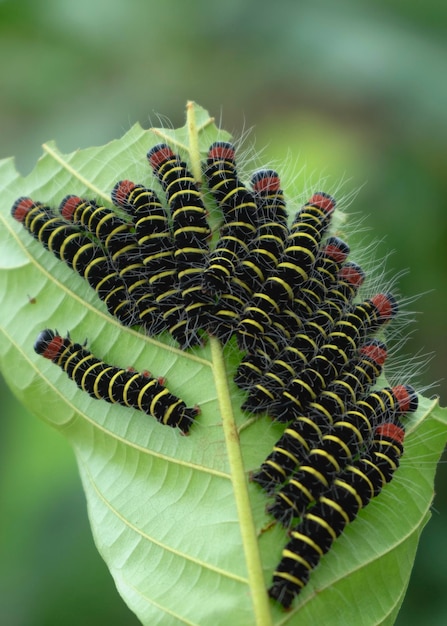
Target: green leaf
x=183 y=532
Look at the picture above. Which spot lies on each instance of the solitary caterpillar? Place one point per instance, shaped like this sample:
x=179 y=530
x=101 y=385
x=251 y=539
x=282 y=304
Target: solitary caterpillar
x=116 y=385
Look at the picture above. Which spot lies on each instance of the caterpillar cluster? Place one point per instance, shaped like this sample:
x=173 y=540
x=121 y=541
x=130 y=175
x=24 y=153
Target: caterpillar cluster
x=350 y=491
x=311 y=356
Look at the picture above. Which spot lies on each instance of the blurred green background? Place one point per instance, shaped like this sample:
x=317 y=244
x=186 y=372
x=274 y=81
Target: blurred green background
x=351 y=89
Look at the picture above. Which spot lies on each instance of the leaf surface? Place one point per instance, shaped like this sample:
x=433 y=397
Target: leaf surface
x=183 y=532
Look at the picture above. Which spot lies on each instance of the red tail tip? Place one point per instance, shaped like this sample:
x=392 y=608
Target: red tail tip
x=68 y=206
x=158 y=155
x=266 y=181
x=221 y=151
x=323 y=201
x=21 y=208
x=121 y=191
x=392 y=431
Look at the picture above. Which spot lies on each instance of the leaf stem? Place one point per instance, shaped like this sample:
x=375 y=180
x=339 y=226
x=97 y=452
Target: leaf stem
x=193 y=134
x=239 y=479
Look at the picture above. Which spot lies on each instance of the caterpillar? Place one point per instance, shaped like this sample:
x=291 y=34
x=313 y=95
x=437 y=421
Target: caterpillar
x=189 y=215
x=271 y=233
x=240 y=218
x=341 y=343
x=113 y=384
x=80 y=253
x=320 y=526
x=157 y=247
x=153 y=232
x=347 y=437
x=293 y=269
x=191 y=233
x=231 y=195
x=259 y=216
x=308 y=429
